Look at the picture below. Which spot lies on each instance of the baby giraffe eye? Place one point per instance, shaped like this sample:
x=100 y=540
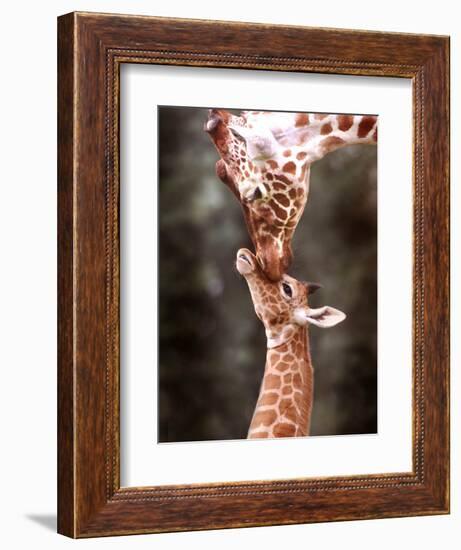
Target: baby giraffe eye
x=287 y=290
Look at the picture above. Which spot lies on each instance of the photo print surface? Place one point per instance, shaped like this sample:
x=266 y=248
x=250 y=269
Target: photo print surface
x=267 y=274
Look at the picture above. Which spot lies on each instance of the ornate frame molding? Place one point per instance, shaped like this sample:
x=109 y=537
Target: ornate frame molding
x=91 y=49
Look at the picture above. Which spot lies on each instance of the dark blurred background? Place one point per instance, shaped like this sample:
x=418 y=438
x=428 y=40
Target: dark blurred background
x=212 y=347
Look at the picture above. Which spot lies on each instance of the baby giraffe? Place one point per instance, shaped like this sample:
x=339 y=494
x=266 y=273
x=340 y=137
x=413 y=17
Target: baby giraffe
x=285 y=399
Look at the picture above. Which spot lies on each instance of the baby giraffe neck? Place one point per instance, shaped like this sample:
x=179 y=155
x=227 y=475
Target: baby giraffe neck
x=284 y=404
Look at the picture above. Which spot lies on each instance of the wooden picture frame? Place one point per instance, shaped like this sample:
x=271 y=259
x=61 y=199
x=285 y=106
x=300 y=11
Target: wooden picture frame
x=91 y=48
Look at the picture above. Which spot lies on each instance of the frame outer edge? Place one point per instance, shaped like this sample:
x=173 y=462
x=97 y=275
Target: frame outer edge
x=66 y=524
x=85 y=507
x=437 y=266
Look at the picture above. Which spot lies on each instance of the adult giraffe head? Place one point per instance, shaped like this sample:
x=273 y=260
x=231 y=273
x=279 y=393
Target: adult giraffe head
x=265 y=161
x=271 y=188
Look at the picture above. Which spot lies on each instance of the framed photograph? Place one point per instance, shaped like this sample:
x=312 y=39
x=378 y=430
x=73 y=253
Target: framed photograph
x=253 y=258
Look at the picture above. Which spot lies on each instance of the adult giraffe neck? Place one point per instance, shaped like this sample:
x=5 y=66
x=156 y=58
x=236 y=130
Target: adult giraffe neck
x=285 y=399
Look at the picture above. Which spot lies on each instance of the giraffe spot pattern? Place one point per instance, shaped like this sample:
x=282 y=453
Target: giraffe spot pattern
x=284 y=179
x=289 y=167
x=272 y=382
x=279 y=186
x=366 y=124
x=299 y=400
x=332 y=141
x=269 y=398
x=345 y=122
x=301 y=119
x=283 y=429
x=279 y=212
x=297 y=380
x=282 y=199
x=288 y=411
x=282 y=366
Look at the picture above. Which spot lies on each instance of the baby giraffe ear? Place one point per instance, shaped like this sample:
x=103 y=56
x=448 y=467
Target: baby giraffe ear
x=323 y=317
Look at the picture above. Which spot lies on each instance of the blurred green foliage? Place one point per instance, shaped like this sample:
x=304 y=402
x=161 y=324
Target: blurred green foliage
x=211 y=345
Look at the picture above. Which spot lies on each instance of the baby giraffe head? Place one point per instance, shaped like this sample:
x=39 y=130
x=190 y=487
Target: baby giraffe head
x=269 y=180
x=282 y=306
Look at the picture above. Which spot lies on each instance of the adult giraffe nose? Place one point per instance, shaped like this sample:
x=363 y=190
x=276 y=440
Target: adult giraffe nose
x=271 y=262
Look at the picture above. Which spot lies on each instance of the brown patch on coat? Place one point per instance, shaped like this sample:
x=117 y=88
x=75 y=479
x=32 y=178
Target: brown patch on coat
x=282 y=429
x=283 y=178
x=270 y=398
x=332 y=141
x=345 y=122
x=282 y=366
x=287 y=409
x=279 y=186
x=279 y=212
x=289 y=167
x=366 y=124
x=301 y=119
x=282 y=199
x=272 y=382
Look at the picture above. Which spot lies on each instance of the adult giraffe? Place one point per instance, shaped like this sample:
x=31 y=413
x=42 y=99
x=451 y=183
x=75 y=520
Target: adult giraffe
x=285 y=400
x=265 y=161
